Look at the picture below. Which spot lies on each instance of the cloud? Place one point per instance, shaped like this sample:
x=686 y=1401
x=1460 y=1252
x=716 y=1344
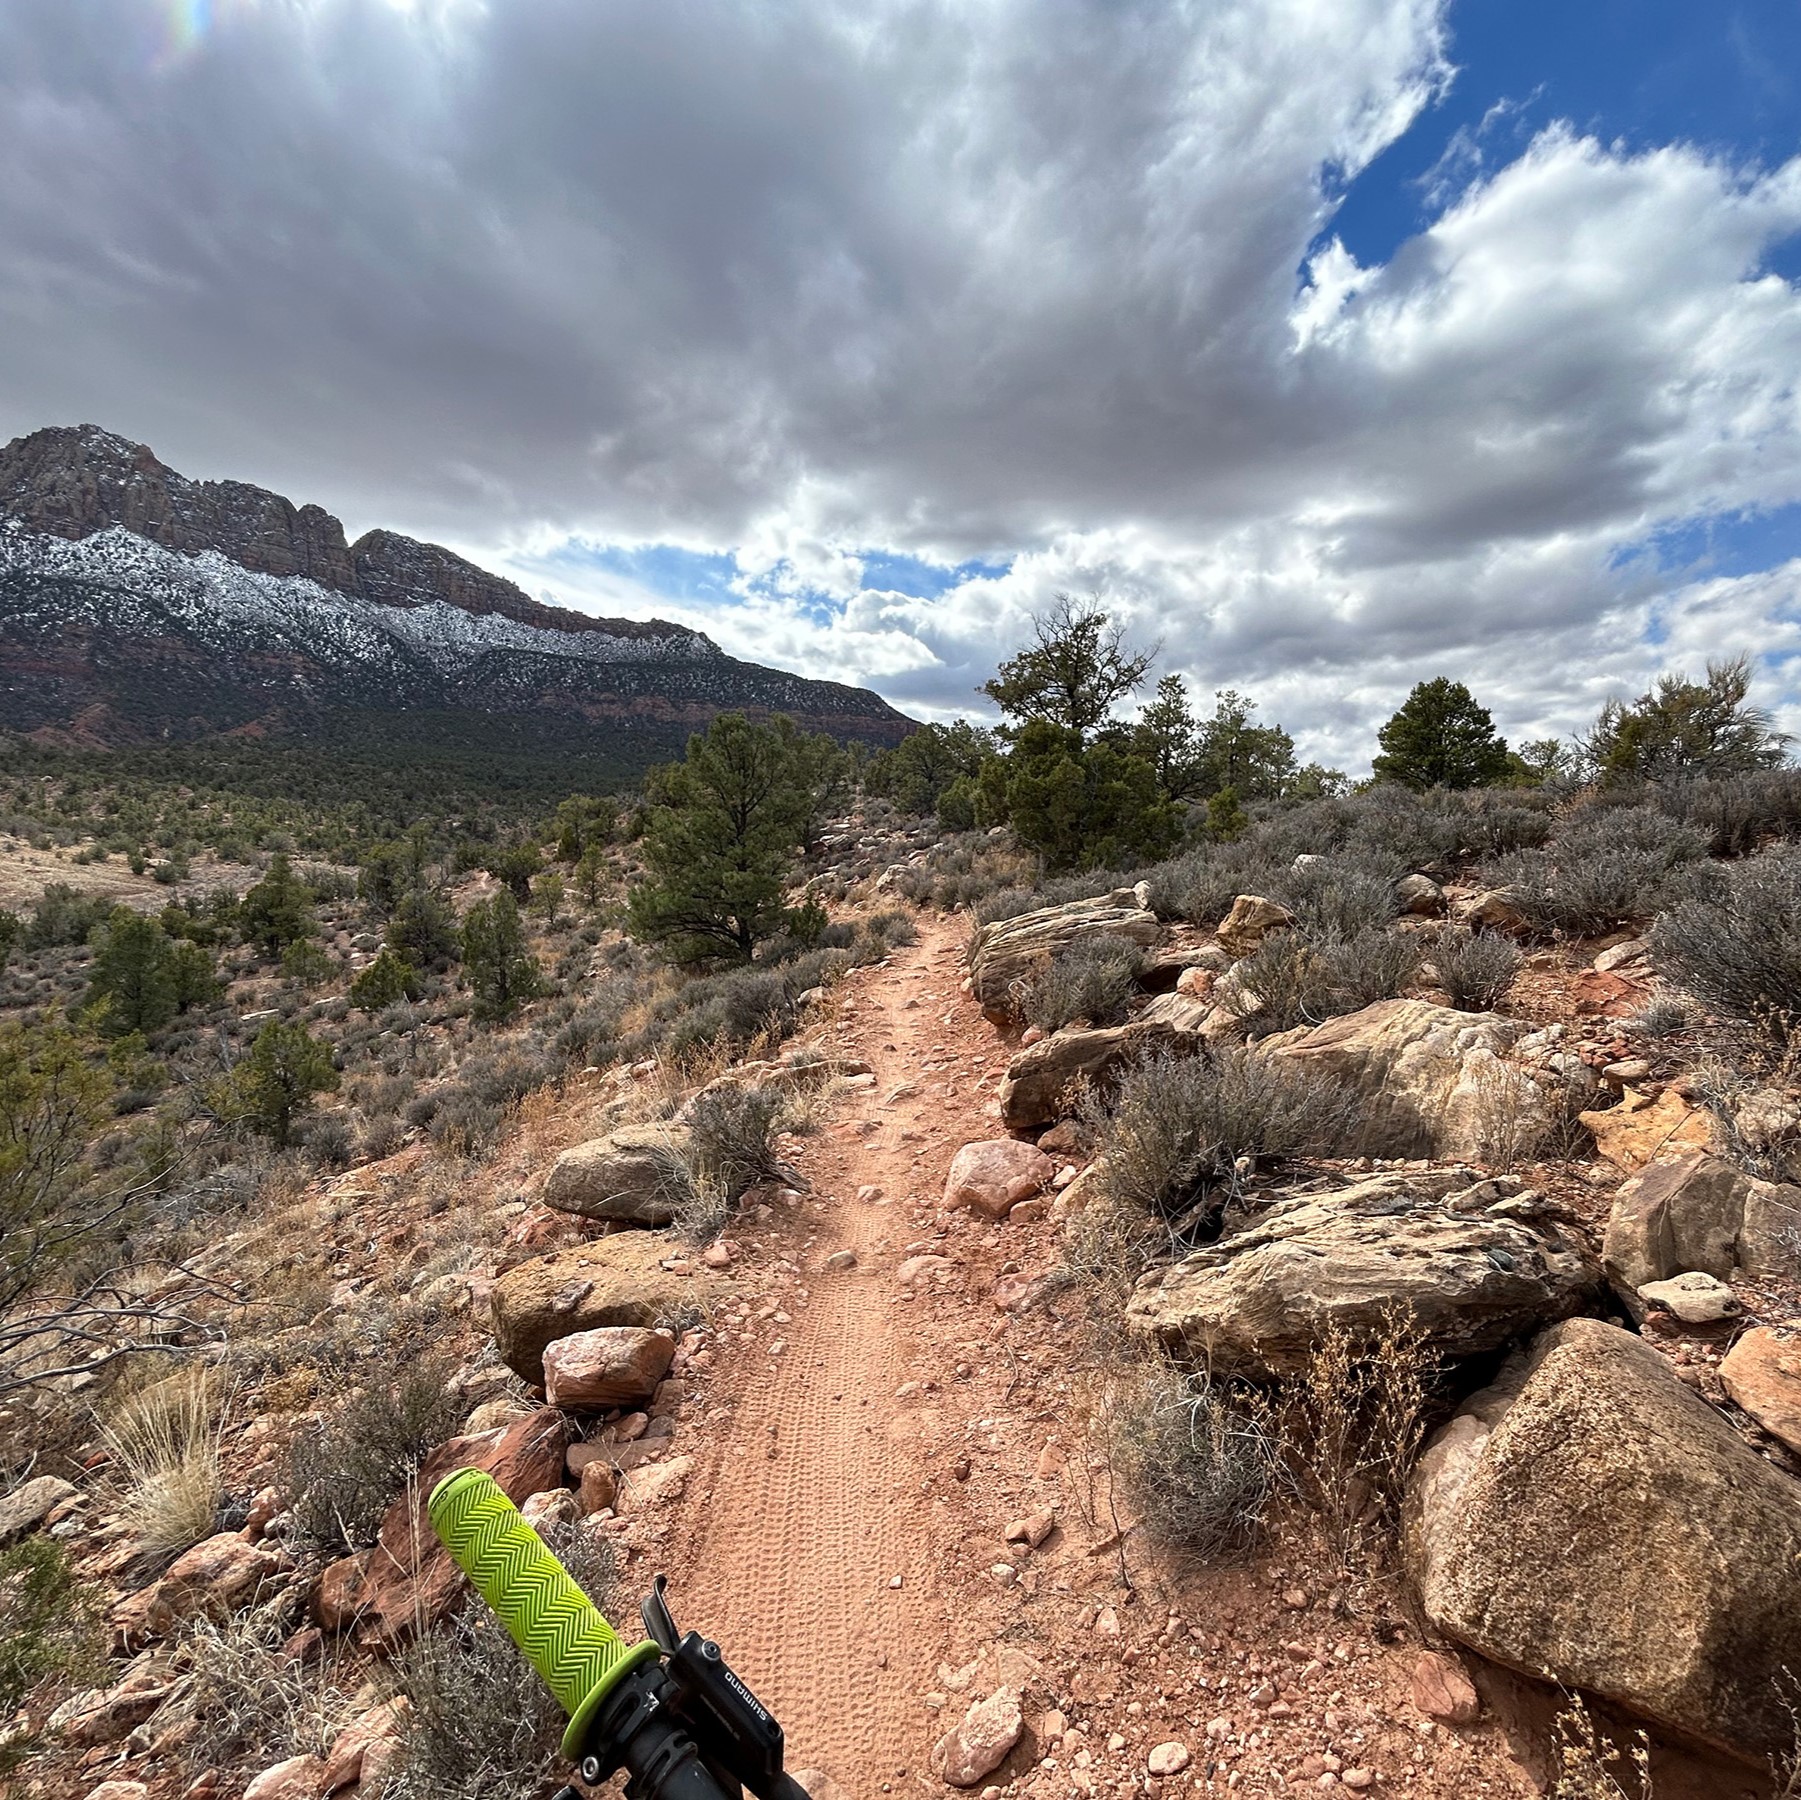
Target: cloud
x=812 y=284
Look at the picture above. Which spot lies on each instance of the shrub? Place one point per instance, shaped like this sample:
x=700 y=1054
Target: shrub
x=247 y=1696
x=1357 y=1416
x=1339 y=897
x=346 y=1471
x=389 y=979
x=1612 y=866
x=275 y=1084
x=1590 y=1765
x=62 y=916
x=730 y=1150
x=480 y=1721
x=1202 y=1464
x=50 y=1627
x=1095 y=978
x=1738 y=815
x=894 y=928
x=1202 y=886
x=1663 y=1016
x=1372 y=965
x=1741 y=955
x=1180 y=1125
x=165 y=1443
x=1284 y=982
x=1474 y=967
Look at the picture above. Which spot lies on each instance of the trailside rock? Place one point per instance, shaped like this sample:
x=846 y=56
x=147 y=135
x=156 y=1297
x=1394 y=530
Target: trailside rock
x=1257 y=1302
x=619 y=1280
x=1700 y=1213
x=411 y=1581
x=982 y=1742
x=616 y=1365
x=1420 y=896
x=1430 y=1081
x=1041 y=1079
x=991 y=1177
x=1590 y=1521
x=1250 y=921
x=624 y=1177
x=1762 y=1373
x=1442 y=1690
x=1641 y=1131
x=1007 y=953
x=1694 y=1298
x=299 y=1778
x=29 y=1505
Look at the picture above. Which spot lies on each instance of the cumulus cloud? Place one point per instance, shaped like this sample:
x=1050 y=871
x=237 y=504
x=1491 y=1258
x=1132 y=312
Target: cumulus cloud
x=1047 y=284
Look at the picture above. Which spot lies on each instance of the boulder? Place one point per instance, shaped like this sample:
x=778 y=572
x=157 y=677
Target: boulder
x=1005 y=955
x=1762 y=1373
x=624 y=1177
x=1430 y=1081
x=1250 y=921
x=1696 y=1212
x=30 y=1504
x=1041 y=1079
x=991 y=1177
x=1590 y=1521
x=411 y=1581
x=1642 y=1130
x=1493 y=910
x=219 y=1575
x=298 y=1778
x=983 y=1740
x=619 y=1280
x=109 y=1715
x=615 y=1365
x=1766 y=1117
x=1420 y=896
x=1256 y=1303
x=365 y=1747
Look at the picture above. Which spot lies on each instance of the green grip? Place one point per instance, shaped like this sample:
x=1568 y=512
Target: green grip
x=560 y=1631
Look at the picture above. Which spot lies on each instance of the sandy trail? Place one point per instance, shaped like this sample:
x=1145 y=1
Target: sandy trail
x=817 y=1502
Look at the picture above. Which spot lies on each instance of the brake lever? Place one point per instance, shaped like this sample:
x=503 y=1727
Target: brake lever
x=659 y=1626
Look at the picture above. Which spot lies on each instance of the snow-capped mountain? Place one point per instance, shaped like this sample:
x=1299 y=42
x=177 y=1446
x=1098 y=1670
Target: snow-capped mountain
x=136 y=604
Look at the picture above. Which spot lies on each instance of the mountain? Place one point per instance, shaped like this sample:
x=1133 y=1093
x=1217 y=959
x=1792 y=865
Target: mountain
x=137 y=605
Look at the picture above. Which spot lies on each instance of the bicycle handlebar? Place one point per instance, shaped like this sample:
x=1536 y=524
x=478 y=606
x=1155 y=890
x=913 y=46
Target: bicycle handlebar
x=558 y=1629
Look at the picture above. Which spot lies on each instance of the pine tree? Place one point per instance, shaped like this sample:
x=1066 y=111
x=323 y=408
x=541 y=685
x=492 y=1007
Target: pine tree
x=384 y=983
x=1441 y=738
x=278 y=910
x=132 y=976
x=277 y=1081
x=1686 y=728
x=721 y=841
x=502 y=972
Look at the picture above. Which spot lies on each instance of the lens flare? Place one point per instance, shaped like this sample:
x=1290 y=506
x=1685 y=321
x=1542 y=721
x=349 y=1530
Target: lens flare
x=189 y=23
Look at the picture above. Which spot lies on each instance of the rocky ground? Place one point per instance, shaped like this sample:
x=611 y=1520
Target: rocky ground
x=867 y=1445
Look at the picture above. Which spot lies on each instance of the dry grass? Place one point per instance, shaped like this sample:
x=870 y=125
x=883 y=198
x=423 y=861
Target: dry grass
x=165 y=1446
x=1588 y=1765
x=1357 y=1418
x=246 y=1697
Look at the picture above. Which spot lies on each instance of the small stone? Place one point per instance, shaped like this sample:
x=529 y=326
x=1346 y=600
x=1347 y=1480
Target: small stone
x=1357 y=1779
x=868 y=1195
x=613 y=1365
x=1295 y=1599
x=840 y=1260
x=1442 y=1690
x=1694 y=1298
x=982 y=1742
x=1168 y=1759
x=30 y=1505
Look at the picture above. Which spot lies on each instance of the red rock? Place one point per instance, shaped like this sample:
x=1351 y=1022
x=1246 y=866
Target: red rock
x=600 y=1487
x=412 y=1580
x=373 y=1738
x=982 y=1742
x=1442 y=1691
x=1762 y=1373
x=342 y=1594
x=299 y=1778
x=615 y=1365
x=991 y=1177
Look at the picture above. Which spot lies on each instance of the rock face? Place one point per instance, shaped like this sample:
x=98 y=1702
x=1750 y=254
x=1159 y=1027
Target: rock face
x=1430 y=1081
x=1041 y=1078
x=1762 y=1373
x=1590 y=1521
x=411 y=1580
x=992 y=1177
x=624 y=1177
x=1007 y=953
x=618 y=1281
x=1250 y=921
x=1256 y=1302
x=1697 y=1213
x=617 y=1365
x=137 y=604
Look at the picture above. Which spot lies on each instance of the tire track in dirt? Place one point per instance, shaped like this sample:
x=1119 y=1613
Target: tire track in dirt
x=815 y=1504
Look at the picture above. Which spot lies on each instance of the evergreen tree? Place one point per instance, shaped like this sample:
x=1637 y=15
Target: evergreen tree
x=515 y=865
x=1686 y=728
x=926 y=763
x=1255 y=761
x=277 y=1081
x=720 y=843
x=423 y=930
x=132 y=976
x=1093 y=807
x=502 y=972
x=278 y=910
x=195 y=980
x=1168 y=735
x=1441 y=738
x=384 y=983
x=1072 y=674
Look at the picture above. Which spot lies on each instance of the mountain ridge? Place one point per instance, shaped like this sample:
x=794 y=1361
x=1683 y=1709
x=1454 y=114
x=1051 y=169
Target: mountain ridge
x=137 y=605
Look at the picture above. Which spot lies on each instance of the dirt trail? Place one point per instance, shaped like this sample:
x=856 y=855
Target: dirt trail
x=816 y=1506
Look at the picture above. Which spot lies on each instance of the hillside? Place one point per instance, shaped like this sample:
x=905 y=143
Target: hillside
x=138 y=606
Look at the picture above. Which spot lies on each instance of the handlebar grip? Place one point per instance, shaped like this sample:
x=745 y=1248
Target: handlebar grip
x=559 y=1630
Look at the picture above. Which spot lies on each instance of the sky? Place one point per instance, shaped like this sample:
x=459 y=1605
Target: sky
x=1333 y=344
